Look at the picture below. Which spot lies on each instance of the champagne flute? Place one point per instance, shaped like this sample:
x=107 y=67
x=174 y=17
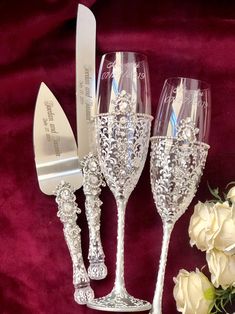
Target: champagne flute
x=122 y=130
x=178 y=154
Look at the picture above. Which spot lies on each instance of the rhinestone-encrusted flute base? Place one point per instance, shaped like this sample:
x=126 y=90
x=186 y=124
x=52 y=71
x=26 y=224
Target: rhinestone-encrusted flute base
x=119 y=302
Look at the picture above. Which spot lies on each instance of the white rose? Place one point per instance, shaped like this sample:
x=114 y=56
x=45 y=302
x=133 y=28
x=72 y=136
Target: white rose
x=193 y=292
x=225 y=239
x=200 y=226
x=222 y=268
x=231 y=194
x=213 y=226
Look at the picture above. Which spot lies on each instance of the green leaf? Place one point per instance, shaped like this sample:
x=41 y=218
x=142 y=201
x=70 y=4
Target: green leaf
x=222 y=304
x=214 y=192
x=222 y=298
x=225 y=196
x=211 y=307
x=217 y=308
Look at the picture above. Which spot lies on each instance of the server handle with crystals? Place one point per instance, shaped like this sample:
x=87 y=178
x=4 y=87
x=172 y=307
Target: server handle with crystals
x=67 y=212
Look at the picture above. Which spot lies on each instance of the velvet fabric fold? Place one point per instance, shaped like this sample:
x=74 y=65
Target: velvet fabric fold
x=37 y=39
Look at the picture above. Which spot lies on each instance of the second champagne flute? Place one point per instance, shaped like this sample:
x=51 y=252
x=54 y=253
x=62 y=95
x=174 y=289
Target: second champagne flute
x=122 y=133
x=178 y=154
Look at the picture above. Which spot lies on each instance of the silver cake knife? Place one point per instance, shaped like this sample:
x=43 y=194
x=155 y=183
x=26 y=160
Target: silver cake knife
x=85 y=105
x=59 y=173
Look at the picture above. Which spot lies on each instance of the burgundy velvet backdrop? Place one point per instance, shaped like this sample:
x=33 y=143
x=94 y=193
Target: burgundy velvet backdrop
x=37 y=43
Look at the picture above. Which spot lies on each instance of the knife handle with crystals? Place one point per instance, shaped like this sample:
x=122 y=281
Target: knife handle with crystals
x=93 y=180
x=67 y=212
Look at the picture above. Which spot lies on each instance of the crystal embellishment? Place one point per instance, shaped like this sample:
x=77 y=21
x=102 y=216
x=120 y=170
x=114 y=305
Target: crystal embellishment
x=186 y=130
x=123 y=104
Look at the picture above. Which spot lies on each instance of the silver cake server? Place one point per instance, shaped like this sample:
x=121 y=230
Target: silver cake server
x=85 y=101
x=59 y=173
